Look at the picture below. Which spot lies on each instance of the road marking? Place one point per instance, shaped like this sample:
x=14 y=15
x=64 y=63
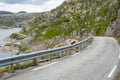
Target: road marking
x=44 y=66
x=75 y=54
x=93 y=42
x=88 y=46
x=113 y=70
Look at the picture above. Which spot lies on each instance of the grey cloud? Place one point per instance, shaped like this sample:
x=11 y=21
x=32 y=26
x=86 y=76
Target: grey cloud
x=36 y=2
x=12 y=1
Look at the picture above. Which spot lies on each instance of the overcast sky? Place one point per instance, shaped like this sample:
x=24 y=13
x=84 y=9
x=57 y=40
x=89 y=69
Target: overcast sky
x=29 y=5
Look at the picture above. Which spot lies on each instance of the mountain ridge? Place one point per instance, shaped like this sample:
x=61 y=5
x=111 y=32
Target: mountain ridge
x=16 y=20
x=5 y=12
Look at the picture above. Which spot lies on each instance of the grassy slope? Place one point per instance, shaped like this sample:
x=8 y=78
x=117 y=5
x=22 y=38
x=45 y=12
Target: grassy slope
x=73 y=16
x=70 y=17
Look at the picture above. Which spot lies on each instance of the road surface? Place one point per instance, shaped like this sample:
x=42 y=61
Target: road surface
x=97 y=62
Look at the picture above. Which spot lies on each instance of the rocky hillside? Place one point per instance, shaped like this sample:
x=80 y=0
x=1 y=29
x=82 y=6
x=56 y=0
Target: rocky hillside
x=116 y=31
x=74 y=19
x=75 y=15
x=114 y=28
x=19 y=19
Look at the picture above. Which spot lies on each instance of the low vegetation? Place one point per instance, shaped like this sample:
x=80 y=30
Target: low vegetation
x=19 y=47
x=118 y=77
x=14 y=35
x=18 y=66
x=118 y=39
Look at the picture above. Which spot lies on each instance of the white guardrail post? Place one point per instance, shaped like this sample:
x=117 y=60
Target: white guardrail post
x=58 y=52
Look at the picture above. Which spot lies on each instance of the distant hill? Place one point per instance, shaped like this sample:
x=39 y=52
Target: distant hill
x=5 y=12
x=22 y=12
x=13 y=20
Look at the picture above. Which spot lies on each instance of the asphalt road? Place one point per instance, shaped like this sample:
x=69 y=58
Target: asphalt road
x=97 y=62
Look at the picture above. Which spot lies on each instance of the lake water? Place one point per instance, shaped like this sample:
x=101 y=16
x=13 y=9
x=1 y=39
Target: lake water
x=3 y=34
x=7 y=32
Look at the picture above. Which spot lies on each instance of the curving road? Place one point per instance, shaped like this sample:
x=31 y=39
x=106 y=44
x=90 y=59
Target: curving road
x=97 y=62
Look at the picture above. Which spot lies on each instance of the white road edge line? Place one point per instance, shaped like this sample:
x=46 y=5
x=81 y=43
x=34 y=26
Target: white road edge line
x=111 y=73
x=75 y=54
x=88 y=46
x=44 y=66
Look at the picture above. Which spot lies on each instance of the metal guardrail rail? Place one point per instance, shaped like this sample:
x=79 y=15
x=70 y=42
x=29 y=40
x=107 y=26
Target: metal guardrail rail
x=21 y=58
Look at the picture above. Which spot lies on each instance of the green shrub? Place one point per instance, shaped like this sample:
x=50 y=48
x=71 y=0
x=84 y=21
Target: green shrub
x=52 y=32
x=8 y=44
x=118 y=39
x=66 y=19
x=118 y=76
x=6 y=69
x=14 y=35
x=24 y=65
x=21 y=47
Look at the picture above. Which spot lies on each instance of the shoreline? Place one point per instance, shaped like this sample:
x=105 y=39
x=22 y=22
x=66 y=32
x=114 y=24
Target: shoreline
x=6 y=39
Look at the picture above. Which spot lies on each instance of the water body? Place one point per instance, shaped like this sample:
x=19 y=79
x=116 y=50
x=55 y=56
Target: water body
x=5 y=33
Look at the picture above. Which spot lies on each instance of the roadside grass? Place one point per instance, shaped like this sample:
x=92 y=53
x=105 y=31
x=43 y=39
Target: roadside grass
x=118 y=76
x=1 y=73
x=27 y=64
x=118 y=39
x=6 y=69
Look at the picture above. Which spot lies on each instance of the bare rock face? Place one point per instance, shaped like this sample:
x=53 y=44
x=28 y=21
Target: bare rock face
x=67 y=43
x=119 y=14
x=71 y=41
x=114 y=29
x=110 y=30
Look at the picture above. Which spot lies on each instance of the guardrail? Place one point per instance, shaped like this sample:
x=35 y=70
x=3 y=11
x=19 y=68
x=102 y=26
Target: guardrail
x=34 y=55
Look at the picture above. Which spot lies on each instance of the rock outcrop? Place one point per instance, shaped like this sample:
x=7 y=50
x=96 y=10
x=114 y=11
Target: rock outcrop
x=114 y=29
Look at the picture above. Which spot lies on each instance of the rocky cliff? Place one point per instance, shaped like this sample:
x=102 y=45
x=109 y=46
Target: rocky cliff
x=116 y=31
x=114 y=28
